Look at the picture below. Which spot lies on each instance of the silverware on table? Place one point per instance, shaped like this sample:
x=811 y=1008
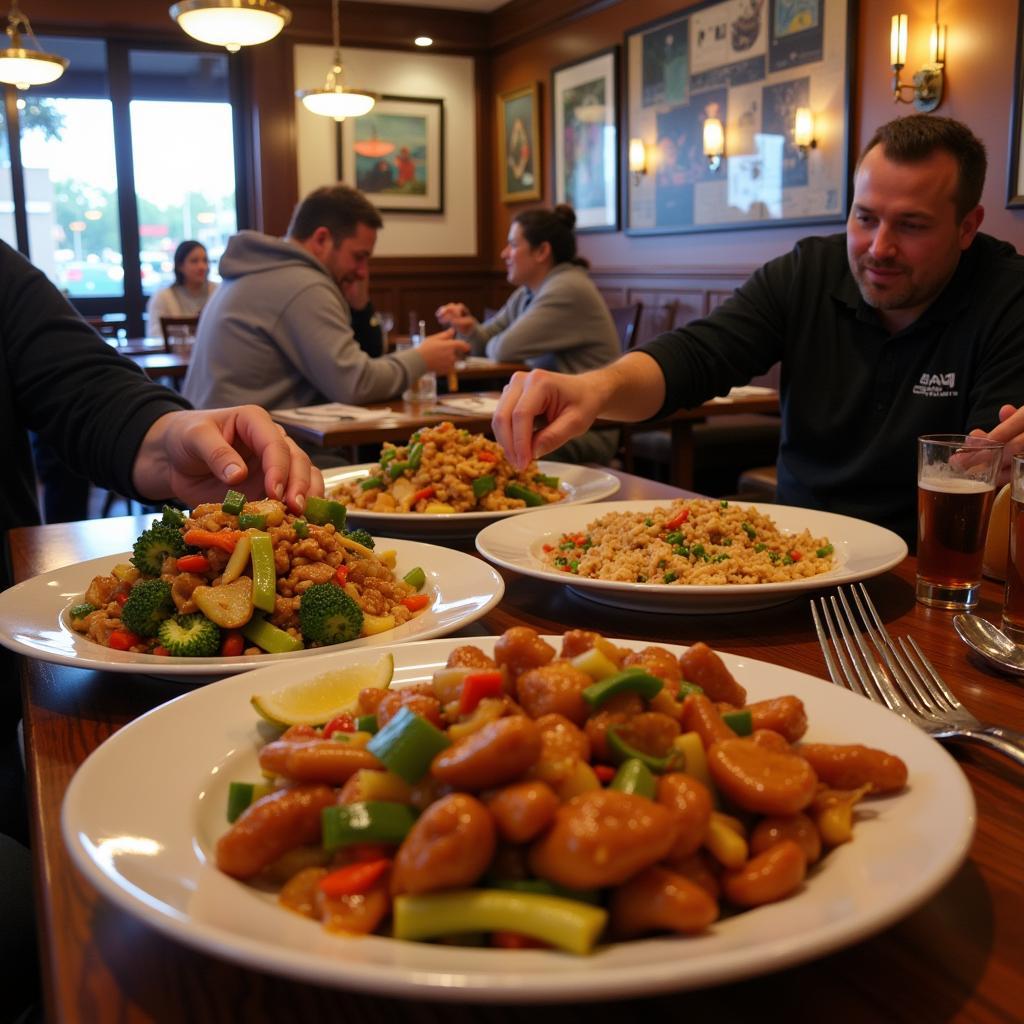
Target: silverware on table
x=990 y=642
x=898 y=676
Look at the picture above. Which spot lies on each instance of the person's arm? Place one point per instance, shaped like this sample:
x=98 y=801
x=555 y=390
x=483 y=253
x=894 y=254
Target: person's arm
x=630 y=390
x=196 y=455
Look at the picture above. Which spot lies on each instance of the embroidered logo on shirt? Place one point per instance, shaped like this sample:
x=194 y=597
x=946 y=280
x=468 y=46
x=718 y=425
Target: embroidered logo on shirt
x=936 y=385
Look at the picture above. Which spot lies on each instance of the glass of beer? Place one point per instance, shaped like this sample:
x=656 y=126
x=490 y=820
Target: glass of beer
x=956 y=481
x=1013 y=603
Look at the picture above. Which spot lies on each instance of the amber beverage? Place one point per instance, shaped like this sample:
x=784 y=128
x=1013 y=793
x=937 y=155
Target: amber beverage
x=955 y=493
x=1013 y=602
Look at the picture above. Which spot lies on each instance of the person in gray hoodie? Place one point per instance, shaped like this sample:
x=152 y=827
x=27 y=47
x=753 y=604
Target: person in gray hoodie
x=278 y=332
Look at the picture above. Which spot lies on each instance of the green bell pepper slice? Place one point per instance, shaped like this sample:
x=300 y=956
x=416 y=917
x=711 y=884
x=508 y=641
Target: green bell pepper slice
x=547 y=481
x=370 y=482
x=630 y=680
x=232 y=503
x=407 y=745
x=242 y=794
x=635 y=777
x=252 y=521
x=368 y=821
x=396 y=469
x=532 y=498
x=264 y=572
x=301 y=528
x=622 y=751
x=321 y=511
x=415 y=455
x=415 y=577
x=483 y=485
x=366 y=723
x=741 y=722
x=269 y=638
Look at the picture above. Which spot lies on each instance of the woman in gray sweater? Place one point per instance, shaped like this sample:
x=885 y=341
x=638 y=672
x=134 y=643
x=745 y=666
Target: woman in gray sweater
x=555 y=319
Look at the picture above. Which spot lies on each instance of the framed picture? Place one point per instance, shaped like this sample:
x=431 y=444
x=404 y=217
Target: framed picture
x=395 y=154
x=519 y=144
x=585 y=131
x=748 y=65
x=1015 y=182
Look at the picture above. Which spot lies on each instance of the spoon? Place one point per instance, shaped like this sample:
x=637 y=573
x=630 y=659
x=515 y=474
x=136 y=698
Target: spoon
x=990 y=642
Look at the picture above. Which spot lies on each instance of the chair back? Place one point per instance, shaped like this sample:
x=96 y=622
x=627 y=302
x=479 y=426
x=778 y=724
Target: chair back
x=627 y=321
x=178 y=329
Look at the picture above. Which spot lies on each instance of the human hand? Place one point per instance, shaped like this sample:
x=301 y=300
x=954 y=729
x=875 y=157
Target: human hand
x=1009 y=431
x=567 y=404
x=357 y=293
x=440 y=351
x=193 y=455
x=457 y=315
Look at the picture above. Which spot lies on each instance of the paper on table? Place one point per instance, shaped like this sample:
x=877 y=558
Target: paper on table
x=746 y=391
x=469 y=405
x=329 y=412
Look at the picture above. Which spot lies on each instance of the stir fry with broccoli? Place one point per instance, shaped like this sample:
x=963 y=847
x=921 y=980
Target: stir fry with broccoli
x=530 y=797
x=247 y=577
x=443 y=471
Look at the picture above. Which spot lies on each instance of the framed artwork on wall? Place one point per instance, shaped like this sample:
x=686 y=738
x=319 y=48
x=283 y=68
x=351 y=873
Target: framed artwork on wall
x=519 y=144
x=395 y=154
x=739 y=70
x=1015 y=182
x=584 y=119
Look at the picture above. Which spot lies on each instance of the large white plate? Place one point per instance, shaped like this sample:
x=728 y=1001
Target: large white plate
x=862 y=550
x=142 y=815
x=33 y=615
x=580 y=484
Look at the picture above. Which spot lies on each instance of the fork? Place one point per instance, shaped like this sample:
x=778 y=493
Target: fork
x=904 y=680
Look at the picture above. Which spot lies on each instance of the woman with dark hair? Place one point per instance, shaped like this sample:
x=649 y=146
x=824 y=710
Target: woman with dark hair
x=191 y=289
x=555 y=319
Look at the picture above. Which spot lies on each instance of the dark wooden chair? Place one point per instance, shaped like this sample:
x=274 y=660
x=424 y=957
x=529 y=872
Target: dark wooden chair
x=177 y=327
x=627 y=323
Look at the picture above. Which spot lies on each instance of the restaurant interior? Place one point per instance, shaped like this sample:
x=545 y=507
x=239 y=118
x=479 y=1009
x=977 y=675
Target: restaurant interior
x=149 y=136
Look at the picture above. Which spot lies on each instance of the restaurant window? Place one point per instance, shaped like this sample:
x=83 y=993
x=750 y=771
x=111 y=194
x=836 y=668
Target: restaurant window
x=124 y=120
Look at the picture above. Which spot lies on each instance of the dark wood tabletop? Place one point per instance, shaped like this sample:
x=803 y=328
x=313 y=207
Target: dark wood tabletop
x=157 y=365
x=958 y=957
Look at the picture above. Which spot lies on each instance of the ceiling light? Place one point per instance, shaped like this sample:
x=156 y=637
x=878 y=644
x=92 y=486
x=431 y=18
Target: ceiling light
x=334 y=100
x=22 y=67
x=423 y=41
x=231 y=23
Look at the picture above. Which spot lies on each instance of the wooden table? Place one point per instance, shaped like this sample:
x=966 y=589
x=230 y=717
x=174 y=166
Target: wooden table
x=399 y=419
x=957 y=958
x=161 y=365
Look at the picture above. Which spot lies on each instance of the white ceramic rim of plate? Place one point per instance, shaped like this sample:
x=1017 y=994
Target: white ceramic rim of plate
x=594 y=483
x=50 y=638
x=547 y=524
x=859 y=890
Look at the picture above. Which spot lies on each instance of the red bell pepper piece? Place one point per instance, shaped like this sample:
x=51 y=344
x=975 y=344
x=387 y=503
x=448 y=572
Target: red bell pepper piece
x=796 y=555
x=339 y=723
x=677 y=520
x=487 y=456
x=123 y=640
x=341 y=575
x=414 y=602
x=353 y=879
x=226 y=540
x=427 y=492
x=478 y=685
x=604 y=772
x=232 y=645
x=120 y=597
x=194 y=563
x=161 y=651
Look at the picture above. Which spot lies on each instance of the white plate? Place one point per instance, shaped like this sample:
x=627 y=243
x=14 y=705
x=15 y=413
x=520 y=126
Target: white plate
x=862 y=550
x=141 y=819
x=580 y=484
x=33 y=618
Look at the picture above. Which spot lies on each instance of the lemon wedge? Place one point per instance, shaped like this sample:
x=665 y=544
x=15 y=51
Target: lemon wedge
x=317 y=700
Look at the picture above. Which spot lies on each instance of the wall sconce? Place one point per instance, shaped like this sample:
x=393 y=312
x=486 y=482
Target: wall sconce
x=927 y=84
x=637 y=159
x=803 y=131
x=714 y=142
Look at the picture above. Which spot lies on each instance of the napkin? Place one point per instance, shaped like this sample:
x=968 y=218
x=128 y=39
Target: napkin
x=330 y=412
x=469 y=405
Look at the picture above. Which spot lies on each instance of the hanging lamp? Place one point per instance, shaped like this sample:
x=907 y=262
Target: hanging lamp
x=231 y=23
x=334 y=100
x=22 y=67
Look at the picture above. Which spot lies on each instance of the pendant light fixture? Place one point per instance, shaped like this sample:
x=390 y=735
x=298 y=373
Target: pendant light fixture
x=231 y=23
x=334 y=100
x=22 y=67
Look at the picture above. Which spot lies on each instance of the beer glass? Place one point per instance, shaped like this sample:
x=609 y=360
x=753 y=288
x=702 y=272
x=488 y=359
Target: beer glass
x=1013 y=603
x=956 y=478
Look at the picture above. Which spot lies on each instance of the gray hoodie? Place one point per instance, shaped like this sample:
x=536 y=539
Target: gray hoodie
x=278 y=333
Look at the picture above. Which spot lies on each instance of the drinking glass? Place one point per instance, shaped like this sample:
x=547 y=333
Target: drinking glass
x=423 y=389
x=1013 y=602
x=387 y=325
x=956 y=478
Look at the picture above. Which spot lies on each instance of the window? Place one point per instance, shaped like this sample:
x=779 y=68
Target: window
x=123 y=120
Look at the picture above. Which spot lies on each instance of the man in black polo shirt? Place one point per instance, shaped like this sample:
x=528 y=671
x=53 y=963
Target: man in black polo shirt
x=909 y=323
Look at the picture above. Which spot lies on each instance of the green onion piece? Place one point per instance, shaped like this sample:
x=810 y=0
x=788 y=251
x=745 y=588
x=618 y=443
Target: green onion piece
x=241 y=795
x=269 y=638
x=547 y=481
x=415 y=456
x=565 y=924
x=79 y=611
x=630 y=680
x=396 y=469
x=825 y=551
x=544 y=888
x=264 y=572
x=622 y=751
x=301 y=528
x=634 y=777
x=407 y=745
x=685 y=689
x=233 y=503
x=387 y=455
x=483 y=485
x=532 y=498
x=741 y=722
x=369 y=821
x=366 y=723
x=370 y=482
x=415 y=578
x=252 y=521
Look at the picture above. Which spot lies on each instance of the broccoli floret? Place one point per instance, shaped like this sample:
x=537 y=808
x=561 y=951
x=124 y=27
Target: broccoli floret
x=190 y=636
x=172 y=517
x=360 y=537
x=79 y=611
x=154 y=546
x=149 y=603
x=327 y=615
